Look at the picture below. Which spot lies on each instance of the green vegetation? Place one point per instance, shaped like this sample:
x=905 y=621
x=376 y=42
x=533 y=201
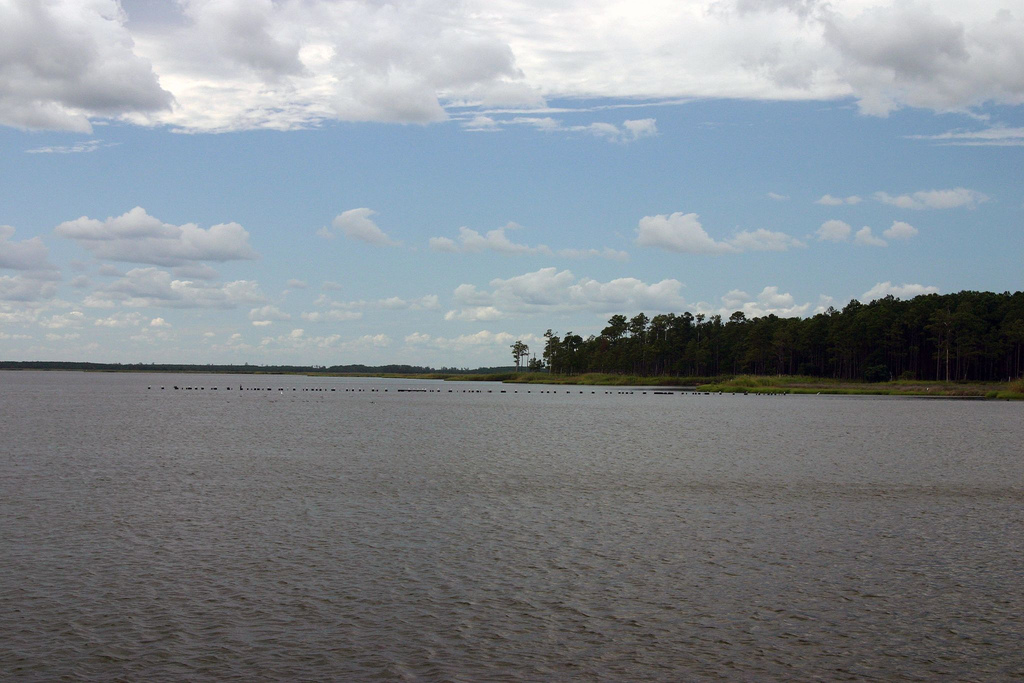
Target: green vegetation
x=817 y=385
x=964 y=337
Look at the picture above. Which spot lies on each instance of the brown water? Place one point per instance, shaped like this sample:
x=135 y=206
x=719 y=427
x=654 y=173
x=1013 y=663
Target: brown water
x=361 y=534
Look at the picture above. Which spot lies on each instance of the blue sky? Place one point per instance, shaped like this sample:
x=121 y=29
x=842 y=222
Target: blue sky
x=343 y=182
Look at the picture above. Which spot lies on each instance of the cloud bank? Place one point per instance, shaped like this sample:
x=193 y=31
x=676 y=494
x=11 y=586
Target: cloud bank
x=220 y=65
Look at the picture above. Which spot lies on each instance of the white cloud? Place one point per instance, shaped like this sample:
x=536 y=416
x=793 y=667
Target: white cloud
x=137 y=237
x=471 y=241
x=243 y=64
x=549 y=290
x=904 y=291
x=429 y=302
x=834 y=231
x=829 y=200
x=64 y=320
x=340 y=311
x=763 y=240
x=995 y=136
x=30 y=254
x=770 y=301
x=900 y=231
x=120 y=320
x=268 y=314
x=933 y=55
x=145 y=287
x=297 y=284
x=683 y=233
x=777 y=197
x=678 y=232
x=64 y=61
x=159 y=322
x=297 y=339
x=865 y=238
x=629 y=131
x=290 y=65
x=956 y=197
x=639 y=128
x=332 y=316
x=83 y=147
x=483 y=338
x=475 y=314
x=25 y=288
x=357 y=225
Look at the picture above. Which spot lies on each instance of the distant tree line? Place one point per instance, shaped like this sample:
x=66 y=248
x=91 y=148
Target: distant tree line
x=245 y=369
x=963 y=336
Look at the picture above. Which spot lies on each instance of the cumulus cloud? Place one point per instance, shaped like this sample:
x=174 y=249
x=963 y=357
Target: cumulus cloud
x=930 y=55
x=145 y=287
x=840 y=231
x=25 y=288
x=64 y=61
x=678 y=232
x=30 y=254
x=332 y=316
x=834 y=231
x=470 y=241
x=475 y=314
x=684 y=233
x=341 y=311
x=763 y=240
x=549 y=290
x=866 y=238
x=769 y=301
x=290 y=65
x=829 y=200
x=120 y=320
x=900 y=231
x=137 y=237
x=904 y=291
x=357 y=225
x=957 y=197
x=394 y=303
x=266 y=315
x=243 y=64
x=297 y=339
x=63 y=320
x=483 y=338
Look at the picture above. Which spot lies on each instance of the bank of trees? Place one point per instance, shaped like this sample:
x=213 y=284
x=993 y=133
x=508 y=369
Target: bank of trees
x=963 y=336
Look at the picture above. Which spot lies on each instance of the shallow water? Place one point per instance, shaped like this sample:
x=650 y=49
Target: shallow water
x=446 y=535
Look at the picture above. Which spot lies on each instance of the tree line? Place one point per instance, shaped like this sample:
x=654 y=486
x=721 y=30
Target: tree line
x=953 y=337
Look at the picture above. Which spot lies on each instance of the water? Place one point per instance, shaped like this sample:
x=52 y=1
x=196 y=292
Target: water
x=362 y=534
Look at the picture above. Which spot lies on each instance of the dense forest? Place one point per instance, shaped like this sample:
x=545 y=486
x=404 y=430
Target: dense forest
x=962 y=336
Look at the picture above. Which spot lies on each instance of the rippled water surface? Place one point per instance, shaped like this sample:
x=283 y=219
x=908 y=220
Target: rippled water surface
x=359 y=533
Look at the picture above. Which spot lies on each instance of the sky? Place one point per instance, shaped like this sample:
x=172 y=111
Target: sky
x=327 y=182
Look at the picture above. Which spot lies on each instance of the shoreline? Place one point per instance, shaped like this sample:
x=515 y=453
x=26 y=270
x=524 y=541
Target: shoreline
x=743 y=384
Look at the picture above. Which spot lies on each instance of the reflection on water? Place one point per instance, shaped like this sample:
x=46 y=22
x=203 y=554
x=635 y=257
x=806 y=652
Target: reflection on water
x=467 y=536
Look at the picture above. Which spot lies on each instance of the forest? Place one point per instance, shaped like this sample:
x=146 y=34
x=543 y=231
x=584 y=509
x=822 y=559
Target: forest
x=952 y=337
